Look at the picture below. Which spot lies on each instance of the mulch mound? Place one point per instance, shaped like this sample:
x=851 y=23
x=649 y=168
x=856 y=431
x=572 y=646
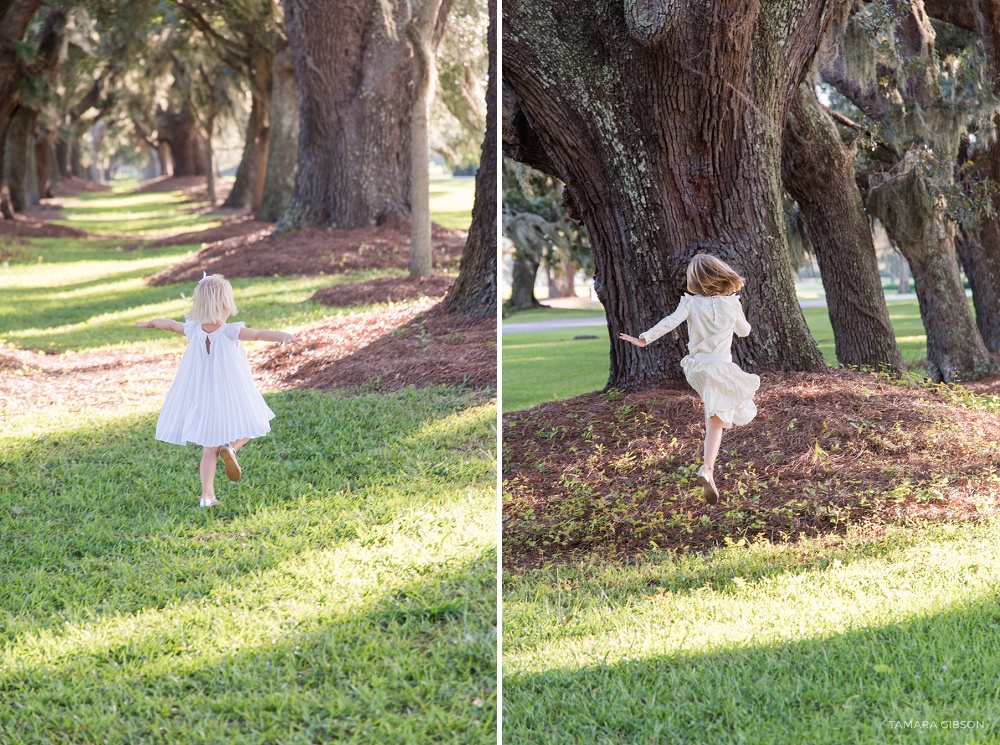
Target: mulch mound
x=613 y=473
x=30 y=226
x=311 y=251
x=72 y=186
x=418 y=344
x=383 y=290
x=240 y=226
x=32 y=380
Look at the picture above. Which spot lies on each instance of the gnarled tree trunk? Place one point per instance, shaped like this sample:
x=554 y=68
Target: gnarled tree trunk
x=669 y=142
x=17 y=164
x=352 y=65
x=179 y=130
x=979 y=253
x=248 y=188
x=475 y=291
x=818 y=172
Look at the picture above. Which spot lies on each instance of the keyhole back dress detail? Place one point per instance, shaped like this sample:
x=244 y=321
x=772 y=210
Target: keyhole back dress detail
x=725 y=388
x=213 y=400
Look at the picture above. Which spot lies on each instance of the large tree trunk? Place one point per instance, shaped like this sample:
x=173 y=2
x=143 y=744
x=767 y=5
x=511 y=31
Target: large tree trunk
x=17 y=165
x=475 y=291
x=179 y=130
x=818 y=172
x=353 y=72
x=669 y=142
x=919 y=228
x=283 y=138
x=980 y=256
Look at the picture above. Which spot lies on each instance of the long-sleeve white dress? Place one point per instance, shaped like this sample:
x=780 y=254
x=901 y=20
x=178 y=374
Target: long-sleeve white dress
x=213 y=400
x=726 y=390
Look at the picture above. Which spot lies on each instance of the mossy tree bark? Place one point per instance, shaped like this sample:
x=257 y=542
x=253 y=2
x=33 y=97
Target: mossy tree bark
x=353 y=68
x=475 y=290
x=664 y=120
x=818 y=171
x=907 y=198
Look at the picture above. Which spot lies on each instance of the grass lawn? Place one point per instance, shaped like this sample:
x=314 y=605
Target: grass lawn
x=451 y=201
x=343 y=591
x=551 y=314
x=550 y=365
x=839 y=640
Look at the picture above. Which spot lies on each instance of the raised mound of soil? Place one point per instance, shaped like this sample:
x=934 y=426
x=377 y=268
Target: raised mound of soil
x=383 y=290
x=241 y=226
x=311 y=251
x=31 y=227
x=614 y=473
x=72 y=186
x=418 y=344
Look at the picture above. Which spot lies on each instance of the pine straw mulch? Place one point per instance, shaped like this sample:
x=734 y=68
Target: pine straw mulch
x=31 y=226
x=311 y=251
x=613 y=474
x=383 y=290
x=234 y=226
x=32 y=381
x=416 y=344
x=419 y=344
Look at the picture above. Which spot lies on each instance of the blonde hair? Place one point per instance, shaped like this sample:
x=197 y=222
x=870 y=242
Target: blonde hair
x=707 y=275
x=213 y=300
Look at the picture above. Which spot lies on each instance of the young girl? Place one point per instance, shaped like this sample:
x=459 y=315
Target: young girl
x=213 y=401
x=713 y=314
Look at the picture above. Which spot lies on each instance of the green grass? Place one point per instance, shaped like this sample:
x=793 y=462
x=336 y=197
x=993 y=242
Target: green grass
x=549 y=365
x=451 y=201
x=816 y=642
x=551 y=314
x=343 y=591
x=140 y=215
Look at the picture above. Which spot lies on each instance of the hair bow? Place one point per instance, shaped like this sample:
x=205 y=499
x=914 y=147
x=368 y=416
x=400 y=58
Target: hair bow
x=204 y=276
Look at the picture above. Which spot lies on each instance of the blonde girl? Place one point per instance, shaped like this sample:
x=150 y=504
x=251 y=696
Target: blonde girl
x=713 y=313
x=213 y=401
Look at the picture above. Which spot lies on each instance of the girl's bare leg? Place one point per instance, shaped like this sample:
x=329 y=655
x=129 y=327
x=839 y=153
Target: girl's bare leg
x=713 y=441
x=209 y=458
x=237 y=444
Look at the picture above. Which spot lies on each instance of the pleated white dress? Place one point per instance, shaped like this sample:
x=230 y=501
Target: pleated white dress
x=726 y=390
x=213 y=400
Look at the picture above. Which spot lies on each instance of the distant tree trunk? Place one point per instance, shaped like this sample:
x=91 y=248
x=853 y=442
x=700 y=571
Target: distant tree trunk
x=353 y=73
x=564 y=280
x=669 y=142
x=248 y=188
x=904 y=276
x=210 y=169
x=917 y=225
x=475 y=290
x=179 y=130
x=522 y=290
x=420 y=33
x=283 y=138
x=982 y=267
x=16 y=163
x=818 y=172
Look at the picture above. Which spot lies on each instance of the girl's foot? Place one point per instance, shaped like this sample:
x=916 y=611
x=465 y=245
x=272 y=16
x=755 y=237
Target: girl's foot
x=706 y=480
x=209 y=501
x=233 y=470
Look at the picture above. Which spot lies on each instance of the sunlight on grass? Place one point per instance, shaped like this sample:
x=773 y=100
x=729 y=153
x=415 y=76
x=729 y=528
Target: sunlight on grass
x=451 y=201
x=809 y=642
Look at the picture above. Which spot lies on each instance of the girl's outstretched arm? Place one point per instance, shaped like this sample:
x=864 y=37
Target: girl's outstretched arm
x=632 y=340
x=264 y=335
x=166 y=324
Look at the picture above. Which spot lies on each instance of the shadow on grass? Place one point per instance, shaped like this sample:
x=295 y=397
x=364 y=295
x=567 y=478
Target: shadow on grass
x=416 y=664
x=848 y=687
x=102 y=519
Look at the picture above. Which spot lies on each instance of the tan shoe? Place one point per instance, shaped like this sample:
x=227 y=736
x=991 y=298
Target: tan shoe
x=233 y=470
x=706 y=480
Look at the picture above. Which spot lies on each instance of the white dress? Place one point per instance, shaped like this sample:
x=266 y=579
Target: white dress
x=213 y=400
x=726 y=390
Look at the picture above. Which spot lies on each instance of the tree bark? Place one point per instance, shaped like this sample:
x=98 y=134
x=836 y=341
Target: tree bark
x=522 y=285
x=283 y=138
x=980 y=257
x=818 y=172
x=353 y=68
x=44 y=147
x=248 y=188
x=16 y=164
x=15 y=16
x=922 y=232
x=669 y=142
x=475 y=290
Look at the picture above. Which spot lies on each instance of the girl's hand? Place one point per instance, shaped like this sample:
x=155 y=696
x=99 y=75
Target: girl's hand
x=291 y=339
x=632 y=340
x=144 y=325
